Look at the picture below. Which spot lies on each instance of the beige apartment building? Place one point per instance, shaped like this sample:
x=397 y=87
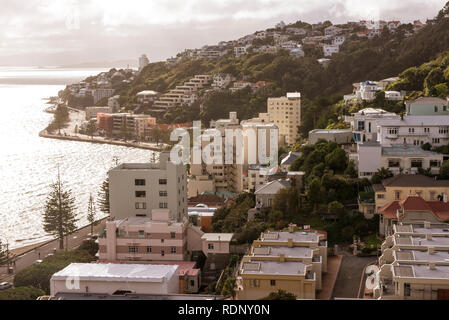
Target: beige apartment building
x=414 y=264
x=292 y=261
x=137 y=188
x=285 y=112
x=401 y=186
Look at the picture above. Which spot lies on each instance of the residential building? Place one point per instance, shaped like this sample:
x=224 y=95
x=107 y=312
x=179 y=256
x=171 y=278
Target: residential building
x=143 y=62
x=221 y=81
x=143 y=126
x=338 y=40
x=364 y=123
x=289 y=159
x=330 y=49
x=99 y=94
x=371 y=156
x=285 y=112
x=146 y=97
x=137 y=188
x=367 y=90
x=265 y=194
x=394 y=95
x=158 y=238
x=340 y=136
x=415 y=130
x=393 y=25
x=427 y=106
x=414 y=263
x=382 y=84
x=91 y=112
x=105 y=123
x=399 y=187
x=289 y=260
x=110 y=279
x=240 y=50
x=332 y=31
x=201 y=215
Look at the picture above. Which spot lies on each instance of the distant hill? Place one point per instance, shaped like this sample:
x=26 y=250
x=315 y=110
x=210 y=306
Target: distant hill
x=132 y=63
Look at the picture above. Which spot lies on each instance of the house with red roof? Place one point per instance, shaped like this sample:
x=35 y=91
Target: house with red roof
x=412 y=210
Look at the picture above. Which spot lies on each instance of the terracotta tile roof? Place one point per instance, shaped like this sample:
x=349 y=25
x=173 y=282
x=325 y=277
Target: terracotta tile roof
x=415 y=203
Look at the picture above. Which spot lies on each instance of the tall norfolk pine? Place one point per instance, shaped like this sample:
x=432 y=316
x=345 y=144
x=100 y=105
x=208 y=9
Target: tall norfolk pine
x=59 y=215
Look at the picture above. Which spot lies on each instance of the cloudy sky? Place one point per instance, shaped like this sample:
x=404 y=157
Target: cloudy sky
x=54 y=32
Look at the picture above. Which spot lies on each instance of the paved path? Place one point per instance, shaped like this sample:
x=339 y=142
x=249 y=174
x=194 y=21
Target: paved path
x=41 y=251
x=330 y=277
x=349 y=277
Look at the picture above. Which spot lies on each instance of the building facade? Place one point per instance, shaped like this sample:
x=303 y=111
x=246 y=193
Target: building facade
x=285 y=112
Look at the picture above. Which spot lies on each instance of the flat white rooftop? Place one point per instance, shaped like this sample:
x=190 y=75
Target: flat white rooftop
x=117 y=272
x=226 y=237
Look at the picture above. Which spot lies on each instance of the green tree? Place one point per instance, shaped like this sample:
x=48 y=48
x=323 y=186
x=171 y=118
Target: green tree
x=91 y=211
x=229 y=288
x=444 y=170
x=3 y=254
x=351 y=171
x=59 y=214
x=314 y=194
x=336 y=208
x=336 y=160
x=103 y=194
x=21 y=293
x=280 y=295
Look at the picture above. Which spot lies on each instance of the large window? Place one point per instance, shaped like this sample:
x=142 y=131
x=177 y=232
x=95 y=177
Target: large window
x=394 y=163
x=435 y=163
x=361 y=126
x=162 y=193
x=133 y=249
x=162 y=181
x=392 y=130
x=416 y=163
x=139 y=182
x=173 y=249
x=443 y=130
x=210 y=246
x=254 y=283
x=141 y=205
x=272 y=283
x=163 y=205
x=141 y=194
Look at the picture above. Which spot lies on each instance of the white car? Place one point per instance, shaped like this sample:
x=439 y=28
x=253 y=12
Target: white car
x=5 y=285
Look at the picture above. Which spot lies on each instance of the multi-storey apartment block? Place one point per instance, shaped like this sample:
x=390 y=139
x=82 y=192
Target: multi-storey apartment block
x=285 y=112
x=137 y=188
x=292 y=261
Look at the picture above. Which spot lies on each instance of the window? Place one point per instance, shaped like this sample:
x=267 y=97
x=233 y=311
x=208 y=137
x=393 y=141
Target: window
x=416 y=163
x=426 y=130
x=397 y=195
x=163 y=205
x=407 y=289
x=443 y=130
x=435 y=140
x=133 y=249
x=172 y=235
x=394 y=163
x=380 y=196
x=432 y=195
x=141 y=194
x=141 y=234
x=149 y=249
x=192 y=283
x=435 y=163
x=435 y=108
x=411 y=130
x=392 y=130
x=254 y=283
x=162 y=181
x=361 y=126
x=139 y=182
x=173 y=250
x=141 y=205
x=272 y=283
x=162 y=193
x=210 y=246
x=162 y=252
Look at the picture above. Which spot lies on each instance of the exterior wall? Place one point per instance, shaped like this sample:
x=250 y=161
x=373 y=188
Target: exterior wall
x=91 y=112
x=298 y=285
x=166 y=286
x=123 y=190
x=199 y=184
x=436 y=135
x=218 y=247
x=342 y=137
x=264 y=200
x=369 y=160
x=406 y=163
x=286 y=114
x=416 y=109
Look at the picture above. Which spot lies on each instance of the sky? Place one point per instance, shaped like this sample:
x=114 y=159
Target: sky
x=55 y=32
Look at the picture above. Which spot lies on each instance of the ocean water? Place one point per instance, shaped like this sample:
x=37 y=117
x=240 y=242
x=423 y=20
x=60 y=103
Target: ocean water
x=29 y=164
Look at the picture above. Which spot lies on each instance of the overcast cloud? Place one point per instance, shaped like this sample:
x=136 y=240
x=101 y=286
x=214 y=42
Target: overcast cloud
x=44 y=32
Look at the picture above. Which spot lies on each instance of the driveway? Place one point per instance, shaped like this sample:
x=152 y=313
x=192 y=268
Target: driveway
x=349 y=277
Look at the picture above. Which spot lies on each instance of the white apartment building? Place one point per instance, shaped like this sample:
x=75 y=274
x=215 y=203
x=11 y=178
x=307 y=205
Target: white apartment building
x=332 y=31
x=143 y=62
x=338 y=40
x=99 y=94
x=137 y=188
x=241 y=50
x=367 y=90
x=364 y=123
x=221 y=81
x=415 y=130
x=146 y=96
x=330 y=49
x=114 y=103
x=285 y=112
x=399 y=158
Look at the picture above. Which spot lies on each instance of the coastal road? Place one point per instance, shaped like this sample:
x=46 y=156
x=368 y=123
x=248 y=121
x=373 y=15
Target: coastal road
x=42 y=250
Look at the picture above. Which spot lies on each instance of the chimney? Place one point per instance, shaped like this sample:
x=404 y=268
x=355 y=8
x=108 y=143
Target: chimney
x=282 y=257
x=432 y=266
x=426 y=224
x=431 y=250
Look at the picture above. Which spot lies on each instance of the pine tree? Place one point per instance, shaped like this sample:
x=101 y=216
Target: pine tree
x=91 y=214
x=59 y=215
x=3 y=254
x=103 y=194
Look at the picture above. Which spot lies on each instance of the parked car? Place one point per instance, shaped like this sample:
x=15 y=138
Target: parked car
x=37 y=262
x=5 y=285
